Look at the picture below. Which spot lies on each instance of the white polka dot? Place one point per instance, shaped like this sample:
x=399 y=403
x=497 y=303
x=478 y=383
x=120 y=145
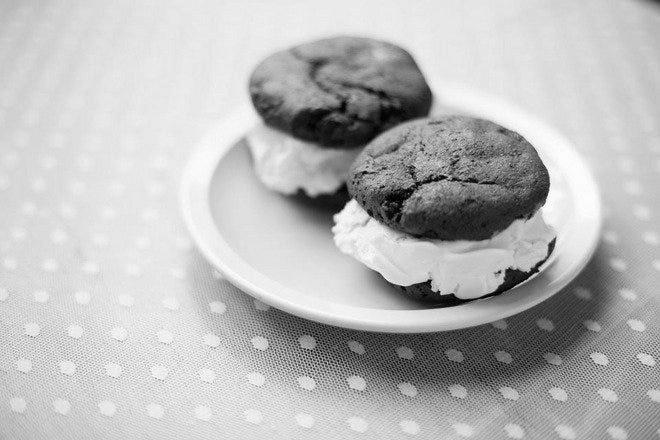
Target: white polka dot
x=82 y=297
x=23 y=365
x=125 y=300
x=306 y=383
x=405 y=352
x=626 y=164
x=9 y=263
x=41 y=296
x=155 y=189
x=357 y=424
x=632 y=187
x=207 y=375
x=356 y=383
x=61 y=406
x=514 y=431
x=149 y=215
x=646 y=359
x=217 y=307
x=636 y=325
x=108 y=213
x=253 y=416
x=4 y=182
x=113 y=370
x=458 y=391
x=259 y=343
x=100 y=240
x=211 y=340
x=203 y=413
x=463 y=430
x=67 y=211
x=165 y=336
x=67 y=367
x=18 y=234
x=77 y=187
x=262 y=307
x=617 y=433
x=545 y=324
x=500 y=324
x=407 y=389
x=654 y=395
x=10 y=159
x=75 y=331
x=627 y=294
x=155 y=411
x=503 y=356
x=618 y=264
x=651 y=238
x=552 y=358
x=307 y=342
x=356 y=347
x=58 y=236
x=599 y=358
x=558 y=394
x=565 y=432
x=509 y=393
x=91 y=268
x=116 y=188
x=107 y=408
x=17 y=404
x=32 y=329
x=454 y=355
x=178 y=272
x=593 y=326
x=133 y=270
x=159 y=372
x=608 y=395
x=142 y=243
x=160 y=163
x=256 y=379
x=50 y=265
x=171 y=304
x=29 y=208
x=304 y=420
x=641 y=212
x=410 y=427
x=119 y=333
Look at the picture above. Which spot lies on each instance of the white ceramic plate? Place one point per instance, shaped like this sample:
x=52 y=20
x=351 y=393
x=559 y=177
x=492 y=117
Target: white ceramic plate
x=280 y=250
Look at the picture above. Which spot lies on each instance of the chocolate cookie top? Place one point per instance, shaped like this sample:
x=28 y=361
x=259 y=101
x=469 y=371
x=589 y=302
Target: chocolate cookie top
x=339 y=92
x=449 y=178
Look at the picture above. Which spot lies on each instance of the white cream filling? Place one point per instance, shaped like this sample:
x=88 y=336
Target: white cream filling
x=468 y=269
x=286 y=164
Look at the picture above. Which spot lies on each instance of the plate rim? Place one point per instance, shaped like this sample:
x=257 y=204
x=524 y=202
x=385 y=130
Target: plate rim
x=195 y=207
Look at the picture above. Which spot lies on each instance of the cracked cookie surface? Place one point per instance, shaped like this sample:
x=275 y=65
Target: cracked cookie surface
x=449 y=178
x=339 y=92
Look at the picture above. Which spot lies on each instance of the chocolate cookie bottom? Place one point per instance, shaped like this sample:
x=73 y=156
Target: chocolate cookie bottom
x=335 y=200
x=512 y=277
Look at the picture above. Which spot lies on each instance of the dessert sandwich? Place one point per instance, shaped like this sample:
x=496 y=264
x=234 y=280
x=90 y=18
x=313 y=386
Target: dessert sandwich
x=448 y=209
x=321 y=102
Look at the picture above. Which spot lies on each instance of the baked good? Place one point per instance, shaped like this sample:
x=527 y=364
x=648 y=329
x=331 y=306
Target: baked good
x=322 y=101
x=448 y=208
x=449 y=178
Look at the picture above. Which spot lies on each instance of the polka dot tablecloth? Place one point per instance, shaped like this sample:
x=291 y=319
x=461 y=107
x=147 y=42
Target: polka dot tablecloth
x=113 y=326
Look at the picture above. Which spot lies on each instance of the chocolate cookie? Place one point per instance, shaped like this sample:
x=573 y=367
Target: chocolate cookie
x=449 y=178
x=339 y=92
x=512 y=277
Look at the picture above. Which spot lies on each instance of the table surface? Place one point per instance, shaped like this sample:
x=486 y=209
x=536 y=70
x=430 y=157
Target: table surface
x=113 y=326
